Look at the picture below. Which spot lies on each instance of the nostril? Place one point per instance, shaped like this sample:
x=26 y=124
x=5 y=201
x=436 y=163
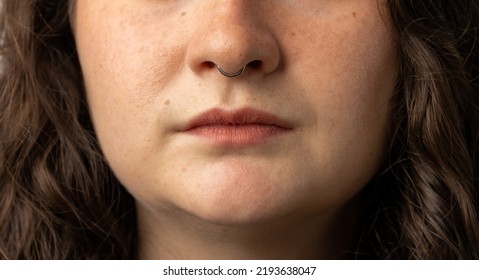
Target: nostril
x=255 y=64
x=209 y=64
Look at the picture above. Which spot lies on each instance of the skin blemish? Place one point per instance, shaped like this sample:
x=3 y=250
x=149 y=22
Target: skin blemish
x=354 y=14
x=293 y=34
x=167 y=102
x=183 y=14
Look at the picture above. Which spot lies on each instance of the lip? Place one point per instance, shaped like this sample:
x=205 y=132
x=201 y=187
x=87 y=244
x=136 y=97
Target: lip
x=243 y=127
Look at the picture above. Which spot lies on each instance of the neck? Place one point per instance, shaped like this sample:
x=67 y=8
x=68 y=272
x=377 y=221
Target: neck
x=178 y=235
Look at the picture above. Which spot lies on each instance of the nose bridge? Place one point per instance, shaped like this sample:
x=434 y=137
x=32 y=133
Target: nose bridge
x=231 y=11
x=230 y=26
x=232 y=35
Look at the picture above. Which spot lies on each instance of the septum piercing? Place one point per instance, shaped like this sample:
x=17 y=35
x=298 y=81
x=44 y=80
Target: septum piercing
x=231 y=75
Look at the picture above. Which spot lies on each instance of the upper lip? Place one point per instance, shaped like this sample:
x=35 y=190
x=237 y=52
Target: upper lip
x=244 y=116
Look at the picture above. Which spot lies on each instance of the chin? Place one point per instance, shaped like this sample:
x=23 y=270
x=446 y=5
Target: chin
x=240 y=201
x=238 y=211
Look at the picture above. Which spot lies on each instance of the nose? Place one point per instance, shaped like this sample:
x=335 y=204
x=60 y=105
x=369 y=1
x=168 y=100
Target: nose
x=234 y=38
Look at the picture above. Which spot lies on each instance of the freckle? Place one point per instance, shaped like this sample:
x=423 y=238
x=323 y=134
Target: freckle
x=354 y=14
x=292 y=33
x=167 y=102
x=183 y=13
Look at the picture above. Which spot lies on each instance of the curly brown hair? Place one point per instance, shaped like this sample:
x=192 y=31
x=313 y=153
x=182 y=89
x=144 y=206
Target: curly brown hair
x=425 y=203
x=60 y=200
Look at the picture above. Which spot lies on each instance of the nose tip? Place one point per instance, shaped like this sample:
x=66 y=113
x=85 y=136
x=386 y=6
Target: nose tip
x=233 y=44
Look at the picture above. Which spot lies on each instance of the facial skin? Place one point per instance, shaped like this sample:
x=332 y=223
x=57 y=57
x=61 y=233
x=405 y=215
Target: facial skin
x=327 y=68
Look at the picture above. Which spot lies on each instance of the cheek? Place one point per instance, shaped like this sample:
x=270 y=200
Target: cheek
x=353 y=73
x=124 y=69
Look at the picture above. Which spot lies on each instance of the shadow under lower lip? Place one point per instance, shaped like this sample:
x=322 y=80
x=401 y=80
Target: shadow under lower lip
x=237 y=135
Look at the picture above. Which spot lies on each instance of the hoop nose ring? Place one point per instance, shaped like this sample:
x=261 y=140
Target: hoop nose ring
x=231 y=75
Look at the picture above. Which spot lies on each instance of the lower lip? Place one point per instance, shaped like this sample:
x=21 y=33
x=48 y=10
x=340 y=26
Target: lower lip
x=238 y=135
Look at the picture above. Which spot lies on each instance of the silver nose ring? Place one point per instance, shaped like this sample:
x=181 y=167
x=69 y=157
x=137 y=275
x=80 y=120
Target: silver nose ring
x=231 y=75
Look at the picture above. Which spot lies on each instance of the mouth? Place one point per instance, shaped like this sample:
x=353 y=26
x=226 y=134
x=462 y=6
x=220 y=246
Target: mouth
x=242 y=127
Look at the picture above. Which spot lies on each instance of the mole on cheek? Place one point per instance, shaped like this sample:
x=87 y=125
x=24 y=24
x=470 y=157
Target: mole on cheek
x=354 y=14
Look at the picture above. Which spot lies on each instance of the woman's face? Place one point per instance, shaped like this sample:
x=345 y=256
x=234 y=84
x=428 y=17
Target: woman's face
x=301 y=131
